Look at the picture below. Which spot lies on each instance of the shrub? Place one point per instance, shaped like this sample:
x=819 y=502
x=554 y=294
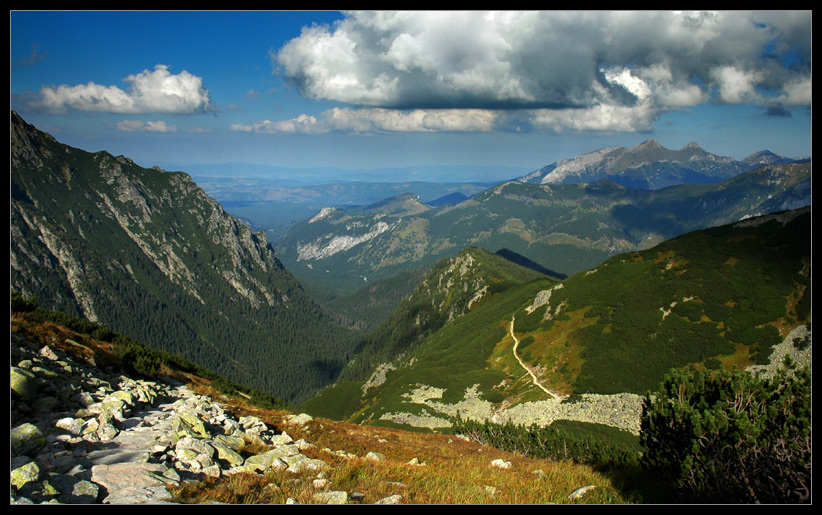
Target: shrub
x=730 y=436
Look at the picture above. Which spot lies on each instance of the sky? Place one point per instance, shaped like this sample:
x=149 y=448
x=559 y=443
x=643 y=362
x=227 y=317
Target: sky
x=367 y=90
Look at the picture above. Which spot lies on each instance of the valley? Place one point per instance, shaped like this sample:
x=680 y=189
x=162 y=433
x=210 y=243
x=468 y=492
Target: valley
x=561 y=296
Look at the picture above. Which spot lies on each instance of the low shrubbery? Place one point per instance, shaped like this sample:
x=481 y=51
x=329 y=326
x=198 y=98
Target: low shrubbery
x=730 y=436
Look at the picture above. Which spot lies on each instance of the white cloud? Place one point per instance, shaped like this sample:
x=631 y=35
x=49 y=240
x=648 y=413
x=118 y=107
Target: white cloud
x=562 y=68
x=157 y=91
x=736 y=85
x=140 y=126
x=369 y=120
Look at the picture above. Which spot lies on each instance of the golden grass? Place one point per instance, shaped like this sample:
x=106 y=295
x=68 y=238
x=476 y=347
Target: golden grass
x=451 y=471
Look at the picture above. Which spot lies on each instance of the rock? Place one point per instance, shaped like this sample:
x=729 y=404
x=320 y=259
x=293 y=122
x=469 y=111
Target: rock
x=374 y=456
x=281 y=439
x=73 y=426
x=300 y=420
x=47 y=353
x=392 y=499
x=188 y=424
x=332 y=497
x=500 y=463
x=267 y=460
x=23 y=384
x=106 y=429
x=25 y=475
x=140 y=495
x=227 y=454
x=234 y=443
x=84 y=492
x=26 y=438
x=579 y=492
x=297 y=464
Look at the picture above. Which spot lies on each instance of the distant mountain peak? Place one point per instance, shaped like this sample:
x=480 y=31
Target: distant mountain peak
x=692 y=144
x=647 y=144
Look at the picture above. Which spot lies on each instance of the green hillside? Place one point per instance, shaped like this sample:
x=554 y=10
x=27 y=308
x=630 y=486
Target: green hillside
x=452 y=290
x=720 y=296
x=710 y=298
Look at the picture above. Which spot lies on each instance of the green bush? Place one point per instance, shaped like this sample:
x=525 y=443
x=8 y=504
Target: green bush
x=730 y=436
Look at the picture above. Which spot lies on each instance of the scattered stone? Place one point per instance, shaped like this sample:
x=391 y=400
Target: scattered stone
x=392 y=499
x=84 y=436
x=26 y=438
x=23 y=383
x=24 y=475
x=300 y=420
x=332 y=497
x=579 y=492
x=375 y=456
x=500 y=463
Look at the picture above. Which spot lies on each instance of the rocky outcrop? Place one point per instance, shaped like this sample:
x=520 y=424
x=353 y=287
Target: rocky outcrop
x=81 y=435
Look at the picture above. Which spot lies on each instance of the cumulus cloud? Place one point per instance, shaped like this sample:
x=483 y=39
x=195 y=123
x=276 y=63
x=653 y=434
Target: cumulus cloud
x=157 y=91
x=140 y=126
x=371 y=120
x=557 y=68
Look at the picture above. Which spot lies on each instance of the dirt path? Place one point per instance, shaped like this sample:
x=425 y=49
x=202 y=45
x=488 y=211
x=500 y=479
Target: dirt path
x=522 y=364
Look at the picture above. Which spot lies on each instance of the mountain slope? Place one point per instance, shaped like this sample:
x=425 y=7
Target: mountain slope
x=452 y=289
x=715 y=297
x=148 y=254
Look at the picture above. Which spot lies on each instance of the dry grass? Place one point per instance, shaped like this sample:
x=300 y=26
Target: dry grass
x=450 y=471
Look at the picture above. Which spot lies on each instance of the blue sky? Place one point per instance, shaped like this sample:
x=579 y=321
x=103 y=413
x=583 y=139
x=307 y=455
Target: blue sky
x=380 y=89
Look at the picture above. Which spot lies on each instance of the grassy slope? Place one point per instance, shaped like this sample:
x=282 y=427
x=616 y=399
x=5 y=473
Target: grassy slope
x=719 y=296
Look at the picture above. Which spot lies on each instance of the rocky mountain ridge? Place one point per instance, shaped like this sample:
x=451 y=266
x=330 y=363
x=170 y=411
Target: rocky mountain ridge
x=649 y=165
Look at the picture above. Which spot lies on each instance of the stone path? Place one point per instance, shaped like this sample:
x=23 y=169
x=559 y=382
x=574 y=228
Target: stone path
x=85 y=436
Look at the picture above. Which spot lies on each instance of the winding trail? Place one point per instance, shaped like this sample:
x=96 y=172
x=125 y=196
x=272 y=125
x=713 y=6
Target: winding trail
x=522 y=364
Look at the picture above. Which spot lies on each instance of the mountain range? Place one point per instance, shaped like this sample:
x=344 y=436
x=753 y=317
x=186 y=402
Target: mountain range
x=564 y=228
x=649 y=165
x=149 y=254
